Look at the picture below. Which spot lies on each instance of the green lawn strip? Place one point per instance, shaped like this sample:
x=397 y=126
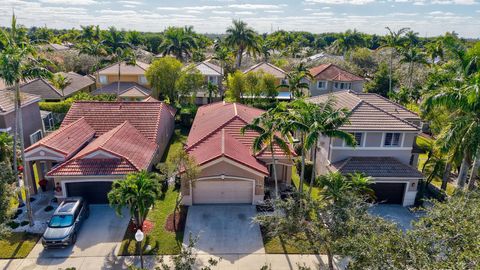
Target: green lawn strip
x=306 y=187
x=160 y=240
x=17 y=245
x=178 y=139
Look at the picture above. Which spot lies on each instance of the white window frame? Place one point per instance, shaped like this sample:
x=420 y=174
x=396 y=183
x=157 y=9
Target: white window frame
x=103 y=79
x=346 y=85
x=400 y=140
x=361 y=143
x=324 y=85
x=32 y=141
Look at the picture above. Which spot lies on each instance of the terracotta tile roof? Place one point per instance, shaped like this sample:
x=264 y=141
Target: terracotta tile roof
x=216 y=132
x=67 y=140
x=124 y=142
x=125 y=88
x=146 y=117
x=367 y=116
x=80 y=167
x=268 y=68
x=331 y=72
x=376 y=167
x=7 y=98
x=138 y=69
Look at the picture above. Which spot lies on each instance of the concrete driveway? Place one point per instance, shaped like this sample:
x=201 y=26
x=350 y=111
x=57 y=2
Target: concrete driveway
x=395 y=213
x=224 y=229
x=100 y=236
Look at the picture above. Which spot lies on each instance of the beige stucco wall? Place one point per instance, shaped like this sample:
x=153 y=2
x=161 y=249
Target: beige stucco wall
x=314 y=91
x=123 y=78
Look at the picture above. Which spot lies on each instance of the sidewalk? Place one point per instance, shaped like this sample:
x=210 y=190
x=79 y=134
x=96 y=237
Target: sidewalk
x=228 y=261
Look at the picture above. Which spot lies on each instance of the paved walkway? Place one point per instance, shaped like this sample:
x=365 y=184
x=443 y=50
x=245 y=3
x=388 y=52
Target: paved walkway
x=238 y=261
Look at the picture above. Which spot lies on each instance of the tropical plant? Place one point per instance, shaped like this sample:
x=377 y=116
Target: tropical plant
x=297 y=82
x=242 y=39
x=212 y=90
x=87 y=33
x=268 y=127
x=6 y=148
x=393 y=40
x=162 y=75
x=412 y=56
x=19 y=62
x=114 y=40
x=95 y=49
x=178 y=42
x=61 y=82
x=126 y=56
x=134 y=38
x=348 y=41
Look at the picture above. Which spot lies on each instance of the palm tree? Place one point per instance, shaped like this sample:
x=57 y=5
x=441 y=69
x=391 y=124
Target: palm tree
x=334 y=185
x=123 y=56
x=114 y=40
x=348 y=41
x=87 y=33
x=95 y=49
x=412 y=56
x=223 y=55
x=268 y=126
x=434 y=50
x=134 y=38
x=178 y=42
x=326 y=121
x=297 y=82
x=393 y=41
x=61 y=82
x=212 y=91
x=242 y=38
x=19 y=62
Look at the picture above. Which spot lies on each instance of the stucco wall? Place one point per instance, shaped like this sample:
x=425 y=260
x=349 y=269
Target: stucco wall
x=32 y=121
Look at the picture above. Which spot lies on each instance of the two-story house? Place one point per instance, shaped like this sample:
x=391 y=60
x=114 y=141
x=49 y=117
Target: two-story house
x=328 y=78
x=33 y=129
x=385 y=133
x=133 y=83
x=212 y=74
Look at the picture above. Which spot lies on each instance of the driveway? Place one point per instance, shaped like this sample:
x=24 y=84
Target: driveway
x=224 y=229
x=395 y=213
x=100 y=235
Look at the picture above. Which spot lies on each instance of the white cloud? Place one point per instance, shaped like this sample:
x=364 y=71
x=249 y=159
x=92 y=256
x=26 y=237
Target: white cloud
x=129 y=6
x=167 y=8
x=441 y=13
x=255 y=6
x=221 y=12
x=194 y=11
x=130 y=2
x=70 y=2
x=340 y=2
x=274 y=11
x=322 y=13
x=203 y=7
x=244 y=13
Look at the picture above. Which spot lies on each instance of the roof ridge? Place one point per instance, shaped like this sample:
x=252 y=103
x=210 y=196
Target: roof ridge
x=408 y=123
x=208 y=65
x=57 y=132
x=213 y=132
x=390 y=101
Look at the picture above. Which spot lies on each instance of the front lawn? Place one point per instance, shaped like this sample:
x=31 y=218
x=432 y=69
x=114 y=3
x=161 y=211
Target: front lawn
x=17 y=245
x=285 y=245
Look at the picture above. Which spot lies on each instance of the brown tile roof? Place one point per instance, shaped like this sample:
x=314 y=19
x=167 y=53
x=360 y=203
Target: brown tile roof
x=102 y=116
x=125 y=142
x=67 y=140
x=46 y=90
x=125 y=88
x=7 y=98
x=376 y=167
x=208 y=69
x=331 y=72
x=93 y=166
x=138 y=69
x=367 y=116
x=267 y=68
x=387 y=105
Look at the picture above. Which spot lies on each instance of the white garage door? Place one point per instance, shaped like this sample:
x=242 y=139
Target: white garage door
x=222 y=191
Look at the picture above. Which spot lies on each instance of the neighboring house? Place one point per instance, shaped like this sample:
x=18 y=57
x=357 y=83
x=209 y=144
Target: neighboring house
x=99 y=142
x=128 y=91
x=213 y=74
x=277 y=72
x=48 y=92
x=385 y=133
x=52 y=47
x=33 y=129
x=229 y=171
x=329 y=78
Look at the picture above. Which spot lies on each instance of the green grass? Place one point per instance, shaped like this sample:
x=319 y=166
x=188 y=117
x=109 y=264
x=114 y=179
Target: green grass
x=178 y=139
x=17 y=245
x=161 y=240
x=296 y=182
x=284 y=245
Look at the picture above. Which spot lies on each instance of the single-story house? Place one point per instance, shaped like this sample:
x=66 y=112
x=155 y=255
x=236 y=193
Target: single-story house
x=229 y=170
x=99 y=142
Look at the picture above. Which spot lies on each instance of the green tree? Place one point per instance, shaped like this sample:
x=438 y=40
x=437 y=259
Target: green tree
x=267 y=126
x=87 y=33
x=242 y=39
x=19 y=62
x=178 y=42
x=134 y=38
x=297 y=82
x=61 y=82
x=114 y=40
x=412 y=56
x=236 y=86
x=381 y=81
x=348 y=41
x=212 y=90
x=162 y=75
x=393 y=40
x=190 y=82
x=95 y=49
x=6 y=148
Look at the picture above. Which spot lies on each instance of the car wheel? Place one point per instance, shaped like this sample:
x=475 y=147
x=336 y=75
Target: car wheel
x=74 y=238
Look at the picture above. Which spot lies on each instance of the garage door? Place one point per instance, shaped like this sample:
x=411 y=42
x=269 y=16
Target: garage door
x=92 y=192
x=222 y=191
x=390 y=193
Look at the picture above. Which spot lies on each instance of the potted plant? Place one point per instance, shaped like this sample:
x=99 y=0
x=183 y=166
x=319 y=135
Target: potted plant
x=43 y=184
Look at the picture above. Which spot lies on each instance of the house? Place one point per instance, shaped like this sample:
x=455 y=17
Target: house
x=329 y=78
x=278 y=73
x=229 y=171
x=52 y=47
x=213 y=74
x=385 y=133
x=125 y=90
x=97 y=143
x=33 y=129
x=48 y=92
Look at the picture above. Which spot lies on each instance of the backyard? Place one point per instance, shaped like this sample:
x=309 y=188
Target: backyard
x=160 y=240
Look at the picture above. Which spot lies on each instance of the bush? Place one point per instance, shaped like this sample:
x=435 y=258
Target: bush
x=56 y=107
x=24 y=223
x=17 y=213
x=13 y=224
x=308 y=169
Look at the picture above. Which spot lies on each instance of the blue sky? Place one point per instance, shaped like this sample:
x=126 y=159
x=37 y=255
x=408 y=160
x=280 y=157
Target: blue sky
x=428 y=17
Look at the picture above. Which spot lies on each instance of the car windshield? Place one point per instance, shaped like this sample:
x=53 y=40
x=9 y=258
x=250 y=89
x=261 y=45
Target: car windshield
x=61 y=221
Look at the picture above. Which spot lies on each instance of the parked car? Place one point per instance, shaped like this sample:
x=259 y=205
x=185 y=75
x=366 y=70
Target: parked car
x=65 y=223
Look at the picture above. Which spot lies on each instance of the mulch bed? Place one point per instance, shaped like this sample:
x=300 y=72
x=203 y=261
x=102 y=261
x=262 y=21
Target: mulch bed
x=147 y=226
x=180 y=218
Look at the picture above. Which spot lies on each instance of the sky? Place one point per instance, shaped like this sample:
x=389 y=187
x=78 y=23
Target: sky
x=427 y=17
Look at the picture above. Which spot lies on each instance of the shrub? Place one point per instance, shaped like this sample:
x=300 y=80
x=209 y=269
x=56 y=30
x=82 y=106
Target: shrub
x=308 y=169
x=24 y=223
x=17 y=213
x=56 y=107
x=13 y=224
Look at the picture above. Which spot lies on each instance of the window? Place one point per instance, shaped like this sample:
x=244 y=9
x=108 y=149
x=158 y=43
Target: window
x=392 y=139
x=343 y=85
x=103 y=79
x=36 y=136
x=213 y=79
x=143 y=80
x=321 y=85
x=61 y=221
x=284 y=82
x=358 y=139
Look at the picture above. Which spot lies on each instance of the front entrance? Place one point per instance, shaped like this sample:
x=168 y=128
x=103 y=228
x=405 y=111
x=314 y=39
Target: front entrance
x=389 y=193
x=222 y=191
x=92 y=192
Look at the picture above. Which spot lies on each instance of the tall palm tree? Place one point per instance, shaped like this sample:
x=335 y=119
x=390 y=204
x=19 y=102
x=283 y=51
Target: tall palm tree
x=120 y=56
x=242 y=39
x=95 y=49
x=223 y=55
x=393 y=40
x=19 y=62
x=434 y=50
x=412 y=56
x=348 y=41
x=178 y=42
x=297 y=82
x=212 y=91
x=268 y=126
x=327 y=121
x=61 y=82
x=87 y=33
x=114 y=40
